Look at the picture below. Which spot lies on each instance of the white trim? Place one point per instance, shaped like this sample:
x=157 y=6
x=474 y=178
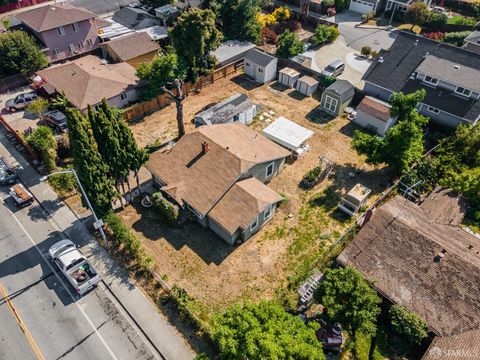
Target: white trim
x=254 y=224
x=75 y=27
x=432 y=81
x=61 y=31
x=332 y=101
x=269 y=208
x=433 y=110
x=272 y=165
x=463 y=92
x=71 y=48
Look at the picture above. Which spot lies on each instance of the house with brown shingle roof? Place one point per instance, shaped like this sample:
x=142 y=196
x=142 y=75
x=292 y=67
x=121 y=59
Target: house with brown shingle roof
x=374 y=114
x=66 y=31
x=418 y=257
x=134 y=49
x=87 y=80
x=218 y=173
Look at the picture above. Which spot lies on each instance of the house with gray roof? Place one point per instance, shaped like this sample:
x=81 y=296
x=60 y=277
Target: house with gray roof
x=403 y=5
x=337 y=97
x=231 y=51
x=260 y=66
x=472 y=42
x=135 y=18
x=237 y=108
x=449 y=75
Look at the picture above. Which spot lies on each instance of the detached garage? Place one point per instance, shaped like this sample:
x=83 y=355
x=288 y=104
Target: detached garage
x=363 y=6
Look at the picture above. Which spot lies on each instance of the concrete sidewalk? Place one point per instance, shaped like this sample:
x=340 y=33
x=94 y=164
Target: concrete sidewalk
x=153 y=325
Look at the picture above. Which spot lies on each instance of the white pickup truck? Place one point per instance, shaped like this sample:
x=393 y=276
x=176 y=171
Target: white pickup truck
x=74 y=265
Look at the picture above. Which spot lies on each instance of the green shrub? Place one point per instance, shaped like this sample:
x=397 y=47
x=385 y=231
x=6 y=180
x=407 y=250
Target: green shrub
x=325 y=34
x=327 y=80
x=408 y=324
x=63 y=183
x=456 y=38
x=167 y=211
x=366 y=51
x=289 y=44
x=362 y=346
x=44 y=143
x=380 y=344
x=311 y=177
x=437 y=21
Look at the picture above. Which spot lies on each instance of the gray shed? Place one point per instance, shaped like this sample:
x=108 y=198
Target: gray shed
x=231 y=51
x=260 y=66
x=306 y=85
x=288 y=77
x=237 y=108
x=337 y=96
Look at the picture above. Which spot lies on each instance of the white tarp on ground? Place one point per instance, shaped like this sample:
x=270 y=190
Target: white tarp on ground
x=287 y=133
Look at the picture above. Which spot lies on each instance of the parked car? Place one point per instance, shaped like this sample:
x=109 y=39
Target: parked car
x=74 y=265
x=7 y=172
x=334 y=69
x=20 y=102
x=56 y=119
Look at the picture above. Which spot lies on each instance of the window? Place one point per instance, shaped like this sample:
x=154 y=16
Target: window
x=247 y=64
x=331 y=103
x=236 y=118
x=56 y=51
x=71 y=48
x=267 y=213
x=75 y=27
x=260 y=70
x=89 y=43
x=430 y=80
x=254 y=224
x=124 y=96
x=269 y=170
x=462 y=91
x=433 y=110
x=61 y=31
x=80 y=45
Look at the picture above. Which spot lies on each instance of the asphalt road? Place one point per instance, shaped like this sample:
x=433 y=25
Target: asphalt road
x=42 y=318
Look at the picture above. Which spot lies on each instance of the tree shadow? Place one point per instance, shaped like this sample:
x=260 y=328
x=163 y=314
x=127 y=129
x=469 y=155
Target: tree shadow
x=36 y=212
x=204 y=242
x=244 y=82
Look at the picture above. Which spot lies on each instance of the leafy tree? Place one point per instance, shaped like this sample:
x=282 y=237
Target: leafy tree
x=341 y=5
x=194 y=36
x=161 y=71
x=408 y=324
x=89 y=165
x=417 y=14
x=239 y=19
x=289 y=44
x=265 y=331
x=44 y=143
x=366 y=51
x=403 y=143
x=20 y=54
x=325 y=34
x=437 y=20
x=349 y=300
x=38 y=107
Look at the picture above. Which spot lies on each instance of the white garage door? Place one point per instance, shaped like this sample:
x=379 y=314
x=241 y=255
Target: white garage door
x=360 y=6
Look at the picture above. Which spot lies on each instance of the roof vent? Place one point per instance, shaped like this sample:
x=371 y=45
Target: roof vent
x=456 y=67
x=380 y=59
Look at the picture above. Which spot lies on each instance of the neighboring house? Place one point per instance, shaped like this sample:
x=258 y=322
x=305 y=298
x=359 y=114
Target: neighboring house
x=66 y=31
x=86 y=81
x=449 y=75
x=134 y=49
x=403 y=5
x=472 y=42
x=237 y=108
x=218 y=174
x=102 y=7
x=231 y=51
x=374 y=114
x=366 y=6
x=135 y=18
x=167 y=14
x=420 y=258
x=337 y=97
x=260 y=66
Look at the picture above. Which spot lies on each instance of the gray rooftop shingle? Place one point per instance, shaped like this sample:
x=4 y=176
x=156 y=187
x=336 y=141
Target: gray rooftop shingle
x=342 y=88
x=259 y=57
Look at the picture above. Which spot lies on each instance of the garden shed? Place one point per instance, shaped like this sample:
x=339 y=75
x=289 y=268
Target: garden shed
x=289 y=134
x=288 y=77
x=374 y=114
x=261 y=66
x=337 y=96
x=306 y=85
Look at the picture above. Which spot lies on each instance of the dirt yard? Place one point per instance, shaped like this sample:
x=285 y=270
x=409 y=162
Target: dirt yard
x=284 y=251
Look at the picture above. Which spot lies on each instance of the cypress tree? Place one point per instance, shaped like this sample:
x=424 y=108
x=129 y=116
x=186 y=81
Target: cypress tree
x=89 y=165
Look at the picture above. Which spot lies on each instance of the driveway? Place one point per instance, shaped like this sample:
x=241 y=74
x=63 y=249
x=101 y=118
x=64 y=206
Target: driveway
x=357 y=37
x=20 y=120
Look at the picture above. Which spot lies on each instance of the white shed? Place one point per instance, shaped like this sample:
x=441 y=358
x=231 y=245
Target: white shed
x=306 y=85
x=288 y=77
x=289 y=134
x=260 y=66
x=374 y=114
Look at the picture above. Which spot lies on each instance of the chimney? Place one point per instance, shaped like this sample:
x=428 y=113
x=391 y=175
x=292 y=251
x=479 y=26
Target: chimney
x=204 y=147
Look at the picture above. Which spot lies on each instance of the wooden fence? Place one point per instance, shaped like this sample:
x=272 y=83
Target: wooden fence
x=142 y=109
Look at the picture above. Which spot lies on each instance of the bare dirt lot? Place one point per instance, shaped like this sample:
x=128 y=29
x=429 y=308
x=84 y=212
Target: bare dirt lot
x=285 y=250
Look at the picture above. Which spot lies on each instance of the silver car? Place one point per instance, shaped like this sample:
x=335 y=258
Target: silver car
x=334 y=69
x=20 y=102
